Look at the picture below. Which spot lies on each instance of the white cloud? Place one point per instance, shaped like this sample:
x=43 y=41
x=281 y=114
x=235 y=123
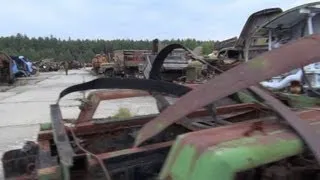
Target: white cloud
x=138 y=19
x=300 y=2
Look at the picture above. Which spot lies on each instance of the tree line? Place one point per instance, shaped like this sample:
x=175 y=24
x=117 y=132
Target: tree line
x=81 y=50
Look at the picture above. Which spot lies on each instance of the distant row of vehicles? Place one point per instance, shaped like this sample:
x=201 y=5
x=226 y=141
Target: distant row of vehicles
x=264 y=30
x=51 y=65
x=12 y=67
x=137 y=63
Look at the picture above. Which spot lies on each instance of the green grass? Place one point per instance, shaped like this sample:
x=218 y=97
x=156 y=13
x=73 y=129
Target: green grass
x=122 y=114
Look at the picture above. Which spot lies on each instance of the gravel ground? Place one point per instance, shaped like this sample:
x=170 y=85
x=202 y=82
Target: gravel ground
x=25 y=105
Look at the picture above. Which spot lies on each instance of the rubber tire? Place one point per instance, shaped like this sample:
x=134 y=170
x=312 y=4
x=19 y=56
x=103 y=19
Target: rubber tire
x=109 y=73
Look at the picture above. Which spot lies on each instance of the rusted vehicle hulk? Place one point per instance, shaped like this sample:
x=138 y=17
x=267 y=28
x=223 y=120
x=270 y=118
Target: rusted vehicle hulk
x=233 y=51
x=177 y=66
x=192 y=138
x=173 y=68
x=98 y=61
x=6 y=69
x=48 y=65
x=126 y=62
x=74 y=64
x=285 y=28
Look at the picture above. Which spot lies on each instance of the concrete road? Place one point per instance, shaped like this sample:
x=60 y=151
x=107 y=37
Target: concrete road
x=26 y=105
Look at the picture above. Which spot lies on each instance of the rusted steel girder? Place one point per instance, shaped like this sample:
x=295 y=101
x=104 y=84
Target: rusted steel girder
x=88 y=127
x=146 y=148
x=60 y=136
x=292 y=55
x=90 y=106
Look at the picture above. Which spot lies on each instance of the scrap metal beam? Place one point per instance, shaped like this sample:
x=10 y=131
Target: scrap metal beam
x=135 y=150
x=89 y=127
x=128 y=159
x=94 y=127
x=292 y=55
x=61 y=138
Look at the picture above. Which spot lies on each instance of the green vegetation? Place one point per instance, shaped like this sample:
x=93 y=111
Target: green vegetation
x=122 y=114
x=82 y=50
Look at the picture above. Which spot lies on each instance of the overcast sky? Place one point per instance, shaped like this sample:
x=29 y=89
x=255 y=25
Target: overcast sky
x=134 y=19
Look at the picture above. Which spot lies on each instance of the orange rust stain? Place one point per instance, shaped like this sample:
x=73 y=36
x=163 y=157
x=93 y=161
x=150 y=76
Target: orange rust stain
x=256 y=126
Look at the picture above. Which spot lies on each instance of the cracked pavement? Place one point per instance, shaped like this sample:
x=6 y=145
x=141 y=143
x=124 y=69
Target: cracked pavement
x=25 y=105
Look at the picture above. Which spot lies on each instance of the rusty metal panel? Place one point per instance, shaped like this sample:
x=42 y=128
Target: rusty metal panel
x=90 y=127
x=306 y=132
x=301 y=52
x=211 y=137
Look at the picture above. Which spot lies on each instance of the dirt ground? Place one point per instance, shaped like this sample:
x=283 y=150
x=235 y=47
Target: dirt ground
x=26 y=104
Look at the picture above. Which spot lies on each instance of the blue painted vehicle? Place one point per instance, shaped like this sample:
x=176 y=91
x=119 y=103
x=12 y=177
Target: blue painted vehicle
x=24 y=66
x=14 y=67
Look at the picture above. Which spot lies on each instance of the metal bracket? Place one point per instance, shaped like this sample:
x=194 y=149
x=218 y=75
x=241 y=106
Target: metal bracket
x=61 y=138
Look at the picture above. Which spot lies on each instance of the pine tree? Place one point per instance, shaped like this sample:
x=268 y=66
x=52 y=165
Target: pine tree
x=82 y=50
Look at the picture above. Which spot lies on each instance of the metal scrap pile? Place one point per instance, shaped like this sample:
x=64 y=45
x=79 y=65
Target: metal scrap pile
x=74 y=64
x=48 y=65
x=227 y=128
x=212 y=125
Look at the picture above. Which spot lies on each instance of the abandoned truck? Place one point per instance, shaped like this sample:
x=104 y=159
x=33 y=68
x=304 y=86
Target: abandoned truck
x=230 y=53
x=24 y=65
x=125 y=63
x=287 y=27
x=173 y=68
x=177 y=66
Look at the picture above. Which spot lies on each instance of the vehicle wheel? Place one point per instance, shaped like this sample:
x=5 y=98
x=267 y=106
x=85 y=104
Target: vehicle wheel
x=21 y=74
x=139 y=76
x=108 y=73
x=11 y=80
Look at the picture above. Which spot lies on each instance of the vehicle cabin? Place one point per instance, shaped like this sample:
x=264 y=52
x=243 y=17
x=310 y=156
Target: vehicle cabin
x=130 y=57
x=286 y=27
x=235 y=49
